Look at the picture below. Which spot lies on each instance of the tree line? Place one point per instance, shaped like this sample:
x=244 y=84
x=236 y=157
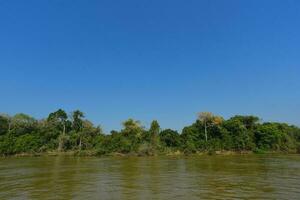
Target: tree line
x=60 y=132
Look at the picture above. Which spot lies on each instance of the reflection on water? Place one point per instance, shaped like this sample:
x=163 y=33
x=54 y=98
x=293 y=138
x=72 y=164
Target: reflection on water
x=202 y=177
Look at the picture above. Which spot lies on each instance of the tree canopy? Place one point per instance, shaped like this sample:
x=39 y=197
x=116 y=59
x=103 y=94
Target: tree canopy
x=22 y=133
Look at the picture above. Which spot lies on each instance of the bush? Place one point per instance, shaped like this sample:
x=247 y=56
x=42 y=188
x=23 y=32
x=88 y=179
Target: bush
x=7 y=143
x=27 y=143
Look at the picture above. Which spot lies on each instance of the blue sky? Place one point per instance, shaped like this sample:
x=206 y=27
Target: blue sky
x=164 y=60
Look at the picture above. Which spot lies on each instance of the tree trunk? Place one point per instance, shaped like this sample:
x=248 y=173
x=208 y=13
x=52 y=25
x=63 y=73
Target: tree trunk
x=64 y=130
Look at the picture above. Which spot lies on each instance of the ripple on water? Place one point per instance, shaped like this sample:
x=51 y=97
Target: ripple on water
x=205 y=177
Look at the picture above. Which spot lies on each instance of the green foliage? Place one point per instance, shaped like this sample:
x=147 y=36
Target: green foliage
x=22 y=124
x=28 y=143
x=77 y=120
x=241 y=137
x=210 y=133
x=4 y=123
x=250 y=122
x=191 y=137
x=131 y=136
x=7 y=144
x=274 y=136
x=170 y=138
x=58 y=121
x=153 y=134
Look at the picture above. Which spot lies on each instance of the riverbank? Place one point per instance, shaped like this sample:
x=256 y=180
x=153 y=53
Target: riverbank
x=89 y=153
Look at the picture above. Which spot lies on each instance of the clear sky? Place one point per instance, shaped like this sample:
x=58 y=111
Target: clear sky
x=164 y=60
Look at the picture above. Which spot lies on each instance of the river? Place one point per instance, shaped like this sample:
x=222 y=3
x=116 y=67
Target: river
x=194 y=177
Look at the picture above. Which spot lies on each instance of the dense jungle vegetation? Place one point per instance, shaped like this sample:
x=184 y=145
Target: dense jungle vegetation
x=60 y=132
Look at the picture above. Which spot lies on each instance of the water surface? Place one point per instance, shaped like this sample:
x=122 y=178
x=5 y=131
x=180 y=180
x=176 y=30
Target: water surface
x=197 y=177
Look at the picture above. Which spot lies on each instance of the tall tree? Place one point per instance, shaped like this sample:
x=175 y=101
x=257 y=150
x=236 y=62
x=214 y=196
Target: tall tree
x=59 y=119
x=131 y=135
x=154 y=132
x=78 y=116
x=208 y=119
x=132 y=128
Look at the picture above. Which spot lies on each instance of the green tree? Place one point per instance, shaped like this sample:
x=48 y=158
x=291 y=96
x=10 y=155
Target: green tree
x=170 y=138
x=7 y=144
x=154 y=132
x=27 y=143
x=241 y=138
x=191 y=139
x=59 y=120
x=86 y=136
x=4 y=124
x=21 y=124
x=275 y=136
x=131 y=136
x=77 y=125
x=209 y=120
x=250 y=122
x=22 y=133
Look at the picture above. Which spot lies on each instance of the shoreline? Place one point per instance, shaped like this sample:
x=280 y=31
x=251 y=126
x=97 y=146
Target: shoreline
x=169 y=154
